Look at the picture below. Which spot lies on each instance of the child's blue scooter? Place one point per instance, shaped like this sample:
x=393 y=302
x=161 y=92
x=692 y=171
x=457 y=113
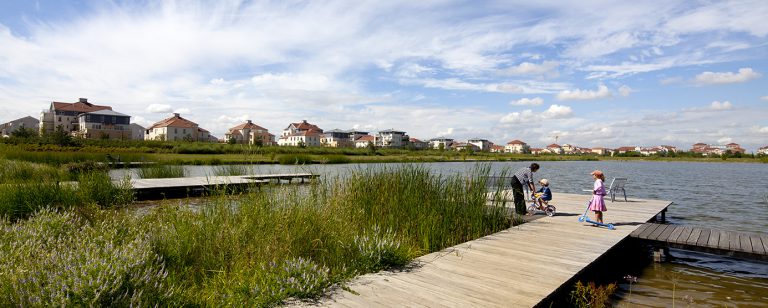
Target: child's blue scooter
x=584 y=218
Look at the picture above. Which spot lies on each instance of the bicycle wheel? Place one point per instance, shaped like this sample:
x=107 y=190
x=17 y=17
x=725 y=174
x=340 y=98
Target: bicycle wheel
x=550 y=210
x=531 y=209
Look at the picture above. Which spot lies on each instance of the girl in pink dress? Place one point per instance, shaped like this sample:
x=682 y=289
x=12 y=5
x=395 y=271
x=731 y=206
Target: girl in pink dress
x=597 y=204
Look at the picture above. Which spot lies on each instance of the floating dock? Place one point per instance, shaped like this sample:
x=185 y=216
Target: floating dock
x=153 y=189
x=523 y=266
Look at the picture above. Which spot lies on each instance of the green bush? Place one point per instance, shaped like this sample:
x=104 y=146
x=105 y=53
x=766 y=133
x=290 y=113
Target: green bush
x=60 y=260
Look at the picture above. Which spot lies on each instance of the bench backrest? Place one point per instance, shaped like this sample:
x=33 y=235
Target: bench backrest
x=618 y=183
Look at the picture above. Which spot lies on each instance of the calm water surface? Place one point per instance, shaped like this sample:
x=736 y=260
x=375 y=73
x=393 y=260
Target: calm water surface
x=730 y=196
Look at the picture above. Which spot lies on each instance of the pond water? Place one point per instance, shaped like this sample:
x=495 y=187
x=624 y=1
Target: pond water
x=729 y=196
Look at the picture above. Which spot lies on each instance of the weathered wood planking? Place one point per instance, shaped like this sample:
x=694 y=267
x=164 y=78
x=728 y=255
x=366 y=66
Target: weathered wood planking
x=732 y=243
x=518 y=267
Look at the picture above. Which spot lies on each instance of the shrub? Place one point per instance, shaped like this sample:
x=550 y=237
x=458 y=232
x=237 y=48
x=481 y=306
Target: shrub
x=60 y=260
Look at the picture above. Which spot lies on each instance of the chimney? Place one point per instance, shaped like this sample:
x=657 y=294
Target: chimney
x=304 y=121
x=176 y=115
x=249 y=122
x=83 y=100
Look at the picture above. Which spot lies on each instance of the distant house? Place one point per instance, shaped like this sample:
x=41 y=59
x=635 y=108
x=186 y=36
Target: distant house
x=176 y=128
x=363 y=141
x=338 y=138
x=418 y=144
x=555 y=149
x=104 y=124
x=537 y=151
x=763 y=150
x=391 y=138
x=29 y=123
x=497 y=148
x=85 y=120
x=599 y=151
x=482 y=144
x=464 y=146
x=441 y=143
x=517 y=146
x=249 y=133
x=137 y=131
x=301 y=133
x=708 y=149
x=624 y=150
x=569 y=149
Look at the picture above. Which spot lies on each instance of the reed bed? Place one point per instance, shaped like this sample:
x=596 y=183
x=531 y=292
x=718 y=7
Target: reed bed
x=231 y=170
x=283 y=242
x=12 y=171
x=158 y=171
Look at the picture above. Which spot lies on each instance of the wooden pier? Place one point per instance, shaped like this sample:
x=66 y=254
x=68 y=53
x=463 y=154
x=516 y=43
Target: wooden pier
x=731 y=243
x=519 y=267
x=151 y=189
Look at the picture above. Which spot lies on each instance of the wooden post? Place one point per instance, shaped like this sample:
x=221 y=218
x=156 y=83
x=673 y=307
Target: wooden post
x=664 y=215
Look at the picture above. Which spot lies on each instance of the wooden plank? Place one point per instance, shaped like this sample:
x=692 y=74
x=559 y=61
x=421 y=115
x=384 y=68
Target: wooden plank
x=675 y=234
x=704 y=238
x=694 y=237
x=645 y=234
x=764 y=239
x=714 y=238
x=745 y=243
x=639 y=230
x=667 y=233
x=683 y=235
x=757 y=244
x=723 y=243
x=655 y=234
x=733 y=241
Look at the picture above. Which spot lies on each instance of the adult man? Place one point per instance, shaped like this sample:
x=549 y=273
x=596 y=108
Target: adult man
x=524 y=176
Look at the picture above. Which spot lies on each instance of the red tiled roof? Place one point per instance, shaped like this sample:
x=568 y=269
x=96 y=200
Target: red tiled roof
x=515 y=142
x=304 y=125
x=536 y=150
x=79 y=107
x=414 y=140
x=248 y=125
x=554 y=145
x=174 y=121
x=625 y=149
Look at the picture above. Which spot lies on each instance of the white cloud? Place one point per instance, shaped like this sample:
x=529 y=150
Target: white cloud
x=527 y=102
x=744 y=75
x=671 y=80
x=183 y=111
x=290 y=81
x=726 y=105
x=526 y=68
x=765 y=98
x=557 y=112
x=528 y=116
x=158 y=108
x=578 y=94
x=763 y=130
x=725 y=140
x=625 y=90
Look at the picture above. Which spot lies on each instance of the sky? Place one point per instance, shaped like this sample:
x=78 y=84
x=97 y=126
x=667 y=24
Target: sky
x=586 y=73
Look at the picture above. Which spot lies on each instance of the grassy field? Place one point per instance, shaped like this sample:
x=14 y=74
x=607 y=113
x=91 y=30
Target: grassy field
x=255 y=249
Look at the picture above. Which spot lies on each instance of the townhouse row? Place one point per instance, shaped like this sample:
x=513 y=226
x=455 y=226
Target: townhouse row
x=86 y=120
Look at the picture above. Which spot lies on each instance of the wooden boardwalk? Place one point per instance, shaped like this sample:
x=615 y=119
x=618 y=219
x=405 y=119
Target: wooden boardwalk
x=519 y=267
x=731 y=243
x=149 y=189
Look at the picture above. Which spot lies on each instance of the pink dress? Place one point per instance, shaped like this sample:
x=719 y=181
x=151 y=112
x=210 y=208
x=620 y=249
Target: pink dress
x=597 y=203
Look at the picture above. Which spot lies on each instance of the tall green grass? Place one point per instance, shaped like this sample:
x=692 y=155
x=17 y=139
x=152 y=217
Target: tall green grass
x=157 y=171
x=281 y=242
x=230 y=170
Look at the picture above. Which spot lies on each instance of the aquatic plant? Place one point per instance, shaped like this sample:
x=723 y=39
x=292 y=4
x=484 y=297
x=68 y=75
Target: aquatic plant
x=591 y=295
x=631 y=279
x=294 y=159
x=230 y=170
x=157 y=171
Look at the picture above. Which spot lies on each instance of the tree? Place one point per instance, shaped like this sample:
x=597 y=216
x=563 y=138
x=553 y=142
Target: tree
x=23 y=132
x=371 y=147
x=60 y=137
x=232 y=140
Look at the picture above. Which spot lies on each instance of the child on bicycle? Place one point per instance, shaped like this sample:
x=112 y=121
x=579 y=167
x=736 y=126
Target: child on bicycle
x=543 y=195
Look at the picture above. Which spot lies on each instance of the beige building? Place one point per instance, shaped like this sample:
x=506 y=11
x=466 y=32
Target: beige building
x=66 y=115
x=390 y=138
x=104 y=124
x=301 y=133
x=176 y=128
x=28 y=123
x=482 y=144
x=517 y=146
x=250 y=133
x=363 y=141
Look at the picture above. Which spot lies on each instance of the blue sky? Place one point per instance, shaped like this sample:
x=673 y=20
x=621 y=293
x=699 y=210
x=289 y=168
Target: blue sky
x=593 y=73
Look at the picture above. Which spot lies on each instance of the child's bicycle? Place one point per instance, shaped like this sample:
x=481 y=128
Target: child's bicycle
x=547 y=208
